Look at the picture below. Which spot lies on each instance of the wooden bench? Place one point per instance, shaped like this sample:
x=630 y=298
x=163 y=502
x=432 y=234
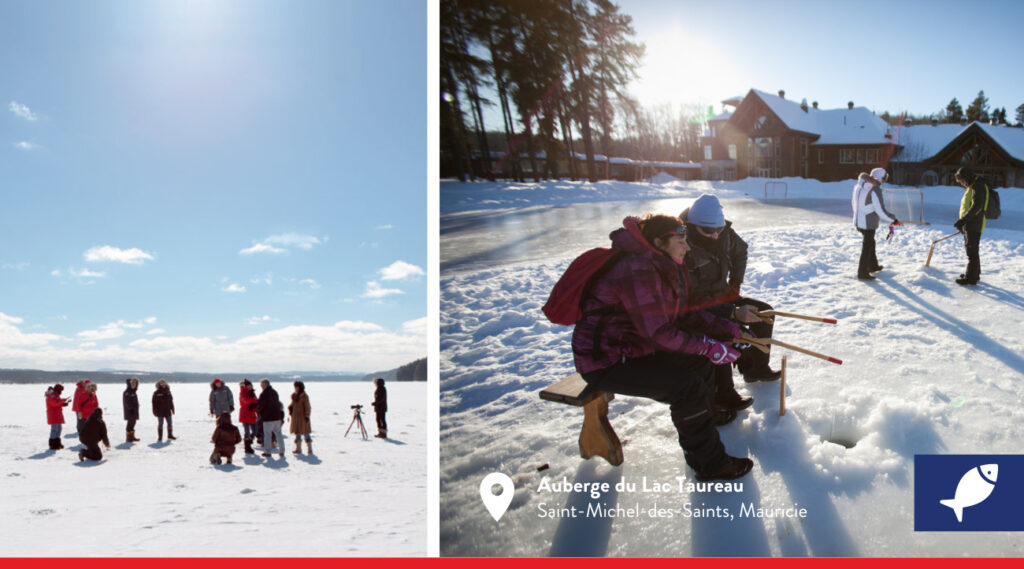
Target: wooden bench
x=597 y=438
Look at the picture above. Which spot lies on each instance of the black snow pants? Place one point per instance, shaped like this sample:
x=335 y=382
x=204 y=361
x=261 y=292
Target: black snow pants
x=685 y=383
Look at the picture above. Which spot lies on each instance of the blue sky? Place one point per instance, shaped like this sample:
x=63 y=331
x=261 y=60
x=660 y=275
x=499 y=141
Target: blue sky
x=213 y=186
x=894 y=55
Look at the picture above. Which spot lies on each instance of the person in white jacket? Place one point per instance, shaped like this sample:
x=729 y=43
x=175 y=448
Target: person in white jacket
x=868 y=211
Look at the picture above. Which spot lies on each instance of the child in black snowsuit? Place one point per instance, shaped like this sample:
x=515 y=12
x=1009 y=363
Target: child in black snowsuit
x=93 y=432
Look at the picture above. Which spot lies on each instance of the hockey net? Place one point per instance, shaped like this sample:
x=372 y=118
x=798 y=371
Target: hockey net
x=775 y=190
x=907 y=204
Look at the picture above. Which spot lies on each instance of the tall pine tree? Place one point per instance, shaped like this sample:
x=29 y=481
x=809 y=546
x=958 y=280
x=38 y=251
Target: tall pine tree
x=978 y=111
x=954 y=112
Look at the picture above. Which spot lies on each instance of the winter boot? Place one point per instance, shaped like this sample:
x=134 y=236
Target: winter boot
x=298 y=448
x=227 y=459
x=53 y=444
x=215 y=458
x=248 y=446
x=127 y=436
x=309 y=448
x=732 y=469
x=81 y=456
x=170 y=435
x=134 y=438
x=57 y=443
x=160 y=434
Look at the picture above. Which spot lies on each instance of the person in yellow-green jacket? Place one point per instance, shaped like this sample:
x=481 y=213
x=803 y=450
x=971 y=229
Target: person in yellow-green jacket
x=972 y=221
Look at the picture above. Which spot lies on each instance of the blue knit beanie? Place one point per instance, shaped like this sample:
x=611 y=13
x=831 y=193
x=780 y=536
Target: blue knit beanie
x=706 y=212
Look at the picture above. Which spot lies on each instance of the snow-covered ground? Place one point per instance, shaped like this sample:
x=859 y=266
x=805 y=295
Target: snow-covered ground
x=351 y=497
x=929 y=367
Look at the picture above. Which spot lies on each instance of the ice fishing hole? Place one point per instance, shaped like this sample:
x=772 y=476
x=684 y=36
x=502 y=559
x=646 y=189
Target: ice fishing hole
x=843 y=431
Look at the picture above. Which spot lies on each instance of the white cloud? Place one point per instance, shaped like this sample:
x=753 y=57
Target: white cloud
x=385 y=226
x=11 y=319
x=267 y=279
x=356 y=326
x=234 y=287
x=155 y=331
x=115 y=329
x=305 y=242
x=418 y=326
x=85 y=273
x=349 y=346
x=105 y=332
x=25 y=145
x=23 y=111
x=16 y=266
x=400 y=270
x=131 y=256
x=310 y=283
x=56 y=272
x=257 y=320
x=262 y=248
x=283 y=243
x=374 y=290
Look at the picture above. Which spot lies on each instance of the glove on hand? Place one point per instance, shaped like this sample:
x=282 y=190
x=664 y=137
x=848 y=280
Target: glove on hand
x=719 y=353
x=959 y=225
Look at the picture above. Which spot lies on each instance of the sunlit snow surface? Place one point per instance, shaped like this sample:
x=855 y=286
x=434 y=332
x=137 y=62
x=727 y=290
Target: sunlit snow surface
x=351 y=497
x=929 y=367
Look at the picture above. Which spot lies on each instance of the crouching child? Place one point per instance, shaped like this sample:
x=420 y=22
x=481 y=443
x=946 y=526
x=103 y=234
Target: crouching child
x=224 y=439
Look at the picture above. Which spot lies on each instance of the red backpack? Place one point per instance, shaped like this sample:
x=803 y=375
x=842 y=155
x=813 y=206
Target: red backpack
x=563 y=306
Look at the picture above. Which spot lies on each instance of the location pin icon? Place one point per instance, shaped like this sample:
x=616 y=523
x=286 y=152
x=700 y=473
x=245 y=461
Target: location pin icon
x=497 y=503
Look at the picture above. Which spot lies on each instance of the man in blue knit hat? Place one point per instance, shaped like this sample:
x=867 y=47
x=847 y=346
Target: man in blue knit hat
x=716 y=263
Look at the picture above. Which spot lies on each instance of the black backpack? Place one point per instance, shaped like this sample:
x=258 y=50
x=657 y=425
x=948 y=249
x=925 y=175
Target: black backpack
x=992 y=209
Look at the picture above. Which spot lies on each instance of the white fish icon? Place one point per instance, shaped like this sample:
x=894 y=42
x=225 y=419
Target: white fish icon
x=974 y=487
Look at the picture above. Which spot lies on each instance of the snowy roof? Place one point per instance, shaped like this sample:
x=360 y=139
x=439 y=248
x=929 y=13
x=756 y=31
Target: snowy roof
x=734 y=101
x=833 y=126
x=921 y=142
x=721 y=116
x=1010 y=138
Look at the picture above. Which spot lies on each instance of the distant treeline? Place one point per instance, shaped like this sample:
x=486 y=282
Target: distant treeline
x=415 y=371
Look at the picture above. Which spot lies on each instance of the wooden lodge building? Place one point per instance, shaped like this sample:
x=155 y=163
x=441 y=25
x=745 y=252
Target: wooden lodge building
x=769 y=136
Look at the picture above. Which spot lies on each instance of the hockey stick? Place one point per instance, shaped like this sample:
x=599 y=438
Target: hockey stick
x=763 y=343
x=770 y=313
x=932 y=249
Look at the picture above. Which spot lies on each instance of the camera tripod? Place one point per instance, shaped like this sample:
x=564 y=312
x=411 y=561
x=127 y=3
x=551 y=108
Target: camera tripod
x=357 y=417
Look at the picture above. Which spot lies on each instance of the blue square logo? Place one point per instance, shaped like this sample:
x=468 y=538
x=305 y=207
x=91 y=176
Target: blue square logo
x=968 y=492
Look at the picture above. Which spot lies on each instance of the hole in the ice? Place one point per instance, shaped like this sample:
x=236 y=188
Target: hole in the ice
x=844 y=431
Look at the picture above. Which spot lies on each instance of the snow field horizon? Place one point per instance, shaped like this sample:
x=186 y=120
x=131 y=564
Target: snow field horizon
x=929 y=367
x=352 y=497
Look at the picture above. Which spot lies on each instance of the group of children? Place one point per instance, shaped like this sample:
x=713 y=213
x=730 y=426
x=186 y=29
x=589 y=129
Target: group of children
x=265 y=409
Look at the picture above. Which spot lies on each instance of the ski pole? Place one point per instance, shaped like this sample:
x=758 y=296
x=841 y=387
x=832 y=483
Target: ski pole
x=932 y=249
x=770 y=313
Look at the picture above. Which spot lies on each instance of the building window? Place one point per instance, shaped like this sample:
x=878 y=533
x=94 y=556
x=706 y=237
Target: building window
x=714 y=132
x=873 y=156
x=732 y=152
x=763 y=147
x=860 y=156
x=778 y=147
x=778 y=168
x=803 y=168
x=847 y=156
x=821 y=156
x=803 y=148
x=707 y=152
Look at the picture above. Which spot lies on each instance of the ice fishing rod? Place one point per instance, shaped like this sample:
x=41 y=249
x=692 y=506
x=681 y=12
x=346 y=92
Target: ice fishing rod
x=764 y=343
x=766 y=315
x=932 y=249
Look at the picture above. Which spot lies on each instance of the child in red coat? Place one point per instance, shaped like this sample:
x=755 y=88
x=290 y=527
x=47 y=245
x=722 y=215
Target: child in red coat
x=55 y=414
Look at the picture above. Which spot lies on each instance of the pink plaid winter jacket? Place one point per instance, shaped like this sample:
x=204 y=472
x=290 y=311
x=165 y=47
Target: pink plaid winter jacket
x=639 y=307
